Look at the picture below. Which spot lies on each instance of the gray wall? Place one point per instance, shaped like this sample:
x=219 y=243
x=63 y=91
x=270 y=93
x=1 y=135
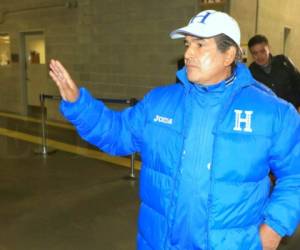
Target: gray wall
x=116 y=48
x=270 y=18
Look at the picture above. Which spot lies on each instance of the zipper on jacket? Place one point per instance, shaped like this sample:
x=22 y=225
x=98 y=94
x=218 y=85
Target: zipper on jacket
x=209 y=208
x=167 y=244
x=209 y=200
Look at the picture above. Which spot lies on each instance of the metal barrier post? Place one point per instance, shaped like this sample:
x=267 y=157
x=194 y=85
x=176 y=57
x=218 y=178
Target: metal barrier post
x=132 y=174
x=44 y=149
x=44 y=145
x=132 y=102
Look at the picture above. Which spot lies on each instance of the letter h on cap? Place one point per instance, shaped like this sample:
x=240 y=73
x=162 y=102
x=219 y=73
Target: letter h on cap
x=202 y=20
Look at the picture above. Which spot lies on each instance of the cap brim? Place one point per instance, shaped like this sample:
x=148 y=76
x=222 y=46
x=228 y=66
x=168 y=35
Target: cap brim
x=192 y=30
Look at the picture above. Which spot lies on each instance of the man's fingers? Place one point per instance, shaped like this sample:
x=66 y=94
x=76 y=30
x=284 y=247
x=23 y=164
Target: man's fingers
x=61 y=73
x=68 y=89
x=54 y=68
x=61 y=90
x=65 y=91
x=57 y=77
x=57 y=72
x=61 y=68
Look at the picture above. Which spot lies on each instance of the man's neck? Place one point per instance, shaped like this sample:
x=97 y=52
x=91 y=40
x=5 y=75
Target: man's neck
x=267 y=67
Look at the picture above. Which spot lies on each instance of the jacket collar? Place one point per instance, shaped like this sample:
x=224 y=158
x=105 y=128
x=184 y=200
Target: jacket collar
x=242 y=79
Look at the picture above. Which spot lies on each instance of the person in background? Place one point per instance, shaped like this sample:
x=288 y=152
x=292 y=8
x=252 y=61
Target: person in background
x=277 y=72
x=207 y=143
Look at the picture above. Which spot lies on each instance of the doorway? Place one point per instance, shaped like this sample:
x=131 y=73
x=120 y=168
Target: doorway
x=34 y=69
x=286 y=40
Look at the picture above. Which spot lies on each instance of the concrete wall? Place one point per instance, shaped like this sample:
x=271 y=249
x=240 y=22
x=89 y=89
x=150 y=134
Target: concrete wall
x=245 y=14
x=17 y=17
x=270 y=19
x=272 y=22
x=117 y=48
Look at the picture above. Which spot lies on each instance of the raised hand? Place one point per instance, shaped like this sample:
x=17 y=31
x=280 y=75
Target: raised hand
x=67 y=87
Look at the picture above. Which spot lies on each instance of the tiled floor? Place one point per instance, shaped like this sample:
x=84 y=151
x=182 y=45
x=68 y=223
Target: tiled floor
x=64 y=201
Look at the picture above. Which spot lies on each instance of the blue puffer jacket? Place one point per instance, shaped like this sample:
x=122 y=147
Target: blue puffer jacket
x=255 y=133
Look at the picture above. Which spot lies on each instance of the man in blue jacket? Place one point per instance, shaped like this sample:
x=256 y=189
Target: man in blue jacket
x=208 y=144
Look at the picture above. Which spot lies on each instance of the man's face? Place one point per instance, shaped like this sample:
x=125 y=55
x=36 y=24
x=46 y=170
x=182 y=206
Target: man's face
x=260 y=53
x=205 y=64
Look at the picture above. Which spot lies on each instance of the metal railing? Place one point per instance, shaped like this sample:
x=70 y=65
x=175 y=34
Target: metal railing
x=44 y=148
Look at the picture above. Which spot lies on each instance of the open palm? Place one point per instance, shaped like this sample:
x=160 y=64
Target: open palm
x=67 y=87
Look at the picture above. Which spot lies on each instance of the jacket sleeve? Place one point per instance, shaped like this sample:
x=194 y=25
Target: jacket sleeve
x=114 y=132
x=295 y=79
x=282 y=213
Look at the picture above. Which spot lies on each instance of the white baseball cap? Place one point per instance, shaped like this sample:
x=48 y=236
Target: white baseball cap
x=210 y=23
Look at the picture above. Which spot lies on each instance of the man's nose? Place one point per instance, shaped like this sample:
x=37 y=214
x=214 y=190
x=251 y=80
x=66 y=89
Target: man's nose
x=189 y=52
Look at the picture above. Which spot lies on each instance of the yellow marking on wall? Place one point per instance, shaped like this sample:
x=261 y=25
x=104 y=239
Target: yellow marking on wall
x=36 y=120
x=95 y=154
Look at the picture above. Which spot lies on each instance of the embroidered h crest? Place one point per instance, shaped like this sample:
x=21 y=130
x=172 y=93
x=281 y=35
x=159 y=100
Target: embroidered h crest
x=246 y=119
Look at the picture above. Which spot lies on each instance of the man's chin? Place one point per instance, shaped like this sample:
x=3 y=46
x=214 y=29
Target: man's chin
x=190 y=75
x=262 y=64
x=192 y=78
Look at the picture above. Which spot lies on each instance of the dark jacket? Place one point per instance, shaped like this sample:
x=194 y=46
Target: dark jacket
x=244 y=151
x=284 y=78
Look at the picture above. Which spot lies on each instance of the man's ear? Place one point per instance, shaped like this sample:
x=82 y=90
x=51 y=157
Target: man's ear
x=230 y=55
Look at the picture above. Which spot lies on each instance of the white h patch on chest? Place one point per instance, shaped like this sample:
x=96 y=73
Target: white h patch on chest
x=243 y=116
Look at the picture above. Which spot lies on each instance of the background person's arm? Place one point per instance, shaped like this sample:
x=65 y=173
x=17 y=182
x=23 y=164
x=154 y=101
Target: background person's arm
x=295 y=76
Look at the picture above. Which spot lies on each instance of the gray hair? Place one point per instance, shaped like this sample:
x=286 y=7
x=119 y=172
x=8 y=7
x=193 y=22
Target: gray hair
x=224 y=42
